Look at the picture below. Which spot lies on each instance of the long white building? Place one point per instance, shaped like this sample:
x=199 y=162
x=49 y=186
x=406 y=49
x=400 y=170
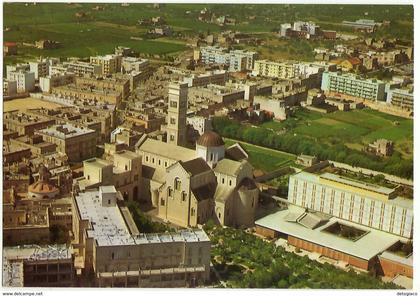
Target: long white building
x=367 y=204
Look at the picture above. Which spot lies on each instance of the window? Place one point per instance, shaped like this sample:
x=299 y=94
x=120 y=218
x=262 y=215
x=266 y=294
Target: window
x=147 y=158
x=112 y=255
x=211 y=156
x=230 y=182
x=223 y=180
x=184 y=196
x=126 y=168
x=109 y=201
x=173 y=120
x=192 y=211
x=177 y=184
x=159 y=161
x=174 y=104
x=88 y=177
x=170 y=191
x=172 y=137
x=162 y=202
x=166 y=163
x=153 y=160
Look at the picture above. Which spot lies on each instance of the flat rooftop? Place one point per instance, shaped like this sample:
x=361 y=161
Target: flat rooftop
x=108 y=226
x=366 y=247
x=358 y=184
x=66 y=131
x=35 y=252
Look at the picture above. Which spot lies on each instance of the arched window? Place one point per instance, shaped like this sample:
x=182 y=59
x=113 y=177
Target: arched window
x=177 y=184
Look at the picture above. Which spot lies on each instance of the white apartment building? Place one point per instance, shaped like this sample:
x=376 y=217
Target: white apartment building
x=110 y=63
x=25 y=80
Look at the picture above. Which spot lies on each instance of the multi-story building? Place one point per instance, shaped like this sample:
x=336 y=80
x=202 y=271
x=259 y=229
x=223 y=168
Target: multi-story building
x=123 y=172
x=110 y=63
x=9 y=88
x=111 y=84
x=129 y=64
x=367 y=204
x=102 y=96
x=274 y=69
x=82 y=68
x=403 y=98
x=25 y=124
x=237 y=60
x=16 y=68
x=46 y=84
x=110 y=245
x=38 y=266
x=354 y=86
x=41 y=68
x=25 y=80
x=216 y=77
x=77 y=142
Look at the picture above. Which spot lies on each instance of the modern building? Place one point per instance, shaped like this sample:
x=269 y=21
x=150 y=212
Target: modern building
x=46 y=84
x=25 y=80
x=274 y=69
x=77 y=143
x=215 y=77
x=9 y=88
x=366 y=204
x=353 y=86
x=403 y=99
x=79 y=68
x=237 y=60
x=110 y=246
x=110 y=63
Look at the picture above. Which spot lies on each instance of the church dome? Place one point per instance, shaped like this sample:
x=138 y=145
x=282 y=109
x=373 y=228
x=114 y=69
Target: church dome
x=210 y=139
x=41 y=187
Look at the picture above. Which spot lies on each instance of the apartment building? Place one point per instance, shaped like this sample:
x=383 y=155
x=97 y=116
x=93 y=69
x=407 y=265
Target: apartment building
x=215 y=77
x=82 y=68
x=354 y=86
x=41 y=68
x=77 y=143
x=403 y=98
x=237 y=60
x=111 y=84
x=46 y=84
x=110 y=63
x=9 y=88
x=25 y=81
x=109 y=244
x=267 y=68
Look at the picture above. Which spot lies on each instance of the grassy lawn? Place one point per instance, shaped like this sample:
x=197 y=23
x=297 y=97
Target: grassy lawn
x=264 y=159
x=355 y=128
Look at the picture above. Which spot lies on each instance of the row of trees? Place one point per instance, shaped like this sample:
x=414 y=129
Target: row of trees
x=394 y=165
x=246 y=261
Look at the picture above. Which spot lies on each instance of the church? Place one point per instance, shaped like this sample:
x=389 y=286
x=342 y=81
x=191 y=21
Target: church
x=188 y=187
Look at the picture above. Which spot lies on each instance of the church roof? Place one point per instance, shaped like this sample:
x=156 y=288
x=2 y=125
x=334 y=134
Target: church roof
x=210 y=139
x=195 y=166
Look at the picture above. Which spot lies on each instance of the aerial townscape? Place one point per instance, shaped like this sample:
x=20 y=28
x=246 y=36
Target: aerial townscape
x=208 y=145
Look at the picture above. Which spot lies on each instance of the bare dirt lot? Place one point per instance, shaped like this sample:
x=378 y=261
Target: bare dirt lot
x=26 y=103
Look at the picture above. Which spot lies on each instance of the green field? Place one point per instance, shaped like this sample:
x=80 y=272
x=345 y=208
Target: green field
x=263 y=158
x=99 y=31
x=355 y=128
